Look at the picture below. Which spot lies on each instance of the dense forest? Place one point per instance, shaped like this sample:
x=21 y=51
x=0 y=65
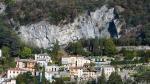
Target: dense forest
x=26 y=11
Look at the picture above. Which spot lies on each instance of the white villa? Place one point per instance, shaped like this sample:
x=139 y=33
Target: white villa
x=14 y=72
x=5 y=80
x=52 y=68
x=43 y=59
x=108 y=70
x=51 y=71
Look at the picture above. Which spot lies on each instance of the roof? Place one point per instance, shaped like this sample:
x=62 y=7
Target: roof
x=76 y=67
x=107 y=66
x=44 y=54
x=3 y=74
x=52 y=65
x=92 y=69
x=72 y=56
x=16 y=69
x=41 y=60
x=24 y=60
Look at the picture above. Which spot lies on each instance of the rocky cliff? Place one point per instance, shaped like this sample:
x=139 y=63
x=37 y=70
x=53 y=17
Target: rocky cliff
x=2 y=8
x=101 y=23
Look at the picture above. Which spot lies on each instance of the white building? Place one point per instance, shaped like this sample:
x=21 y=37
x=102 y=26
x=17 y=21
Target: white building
x=74 y=61
x=43 y=59
x=108 y=70
x=49 y=76
x=51 y=71
x=42 y=62
x=14 y=72
x=11 y=81
x=89 y=75
x=0 y=53
x=119 y=48
x=52 y=68
x=101 y=60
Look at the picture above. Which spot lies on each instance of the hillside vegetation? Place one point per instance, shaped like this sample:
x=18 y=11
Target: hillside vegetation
x=136 y=12
x=26 y=11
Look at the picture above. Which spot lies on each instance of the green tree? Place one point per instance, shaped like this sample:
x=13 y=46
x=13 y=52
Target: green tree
x=44 y=80
x=9 y=2
x=92 y=81
x=55 y=53
x=58 y=81
x=147 y=56
x=146 y=34
x=114 y=78
x=96 y=47
x=109 y=47
x=5 y=51
x=129 y=55
x=55 y=48
x=25 y=52
x=76 y=48
x=102 y=78
x=26 y=78
x=43 y=76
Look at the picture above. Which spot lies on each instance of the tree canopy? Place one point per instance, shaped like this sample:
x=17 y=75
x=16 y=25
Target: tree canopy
x=26 y=78
x=25 y=52
x=114 y=78
x=109 y=47
x=102 y=78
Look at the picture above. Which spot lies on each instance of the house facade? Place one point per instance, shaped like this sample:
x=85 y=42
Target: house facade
x=14 y=72
x=43 y=59
x=89 y=75
x=108 y=70
x=51 y=71
x=74 y=61
x=76 y=72
x=26 y=64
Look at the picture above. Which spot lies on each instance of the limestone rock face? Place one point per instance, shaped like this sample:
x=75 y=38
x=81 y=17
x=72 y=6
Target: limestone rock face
x=101 y=23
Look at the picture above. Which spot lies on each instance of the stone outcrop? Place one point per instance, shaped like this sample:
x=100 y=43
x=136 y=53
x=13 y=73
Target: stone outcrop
x=101 y=23
x=2 y=8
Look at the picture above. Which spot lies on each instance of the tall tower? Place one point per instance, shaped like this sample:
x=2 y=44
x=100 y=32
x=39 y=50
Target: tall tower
x=0 y=53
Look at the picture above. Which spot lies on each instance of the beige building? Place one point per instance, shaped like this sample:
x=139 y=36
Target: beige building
x=26 y=64
x=74 y=61
x=76 y=71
